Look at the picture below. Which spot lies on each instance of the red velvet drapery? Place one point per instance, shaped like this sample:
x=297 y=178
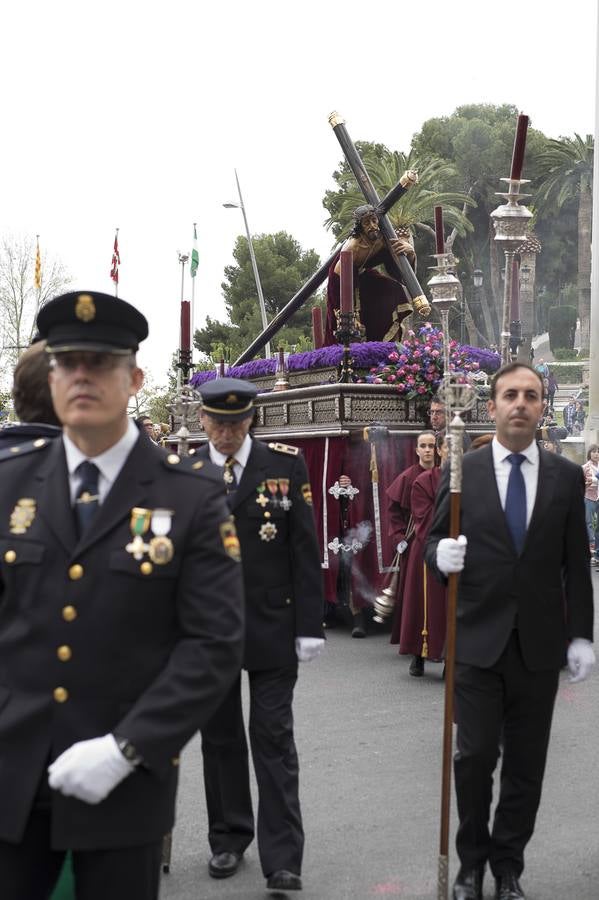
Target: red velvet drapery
x=327 y=459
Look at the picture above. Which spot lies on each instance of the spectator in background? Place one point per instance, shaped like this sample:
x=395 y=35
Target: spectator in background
x=591 y=500
x=146 y=424
x=569 y=413
x=32 y=400
x=579 y=418
x=552 y=446
x=542 y=368
x=552 y=387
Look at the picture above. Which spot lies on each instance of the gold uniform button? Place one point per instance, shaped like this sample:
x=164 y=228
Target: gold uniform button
x=173 y=459
x=288 y=601
x=76 y=572
x=146 y=568
x=267 y=515
x=40 y=442
x=64 y=653
x=175 y=761
x=69 y=613
x=61 y=694
x=10 y=556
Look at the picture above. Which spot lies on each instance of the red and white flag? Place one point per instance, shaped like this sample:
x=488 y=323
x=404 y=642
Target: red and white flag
x=116 y=259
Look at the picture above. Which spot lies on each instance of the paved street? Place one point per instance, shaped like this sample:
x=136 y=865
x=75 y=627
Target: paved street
x=369 y=739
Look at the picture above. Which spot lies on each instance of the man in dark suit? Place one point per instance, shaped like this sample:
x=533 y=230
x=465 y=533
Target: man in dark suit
x=270 y=496
x=121 y=620
x=525 y=598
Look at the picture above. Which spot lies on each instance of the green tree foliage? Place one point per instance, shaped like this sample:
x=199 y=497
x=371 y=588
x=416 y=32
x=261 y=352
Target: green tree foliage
x=415 y=209
x=562 y=327
x=566 y=179
x=283 y=267
x=477 y=139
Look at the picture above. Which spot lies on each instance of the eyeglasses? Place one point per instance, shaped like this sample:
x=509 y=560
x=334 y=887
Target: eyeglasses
x=93 y=362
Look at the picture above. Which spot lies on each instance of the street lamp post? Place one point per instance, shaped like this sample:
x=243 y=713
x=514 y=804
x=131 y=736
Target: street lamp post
x=253 y=259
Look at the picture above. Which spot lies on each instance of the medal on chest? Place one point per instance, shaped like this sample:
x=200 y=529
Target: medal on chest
x=22 y=515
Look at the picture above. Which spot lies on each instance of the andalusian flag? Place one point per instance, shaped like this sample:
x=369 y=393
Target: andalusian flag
x=195 y=259
x=37 y=278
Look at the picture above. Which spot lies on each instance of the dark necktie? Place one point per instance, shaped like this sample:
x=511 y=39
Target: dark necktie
x=515 y=501
x=229 y=475
x=87 y=500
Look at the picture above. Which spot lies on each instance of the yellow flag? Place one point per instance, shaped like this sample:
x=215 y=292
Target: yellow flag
x=37 y=278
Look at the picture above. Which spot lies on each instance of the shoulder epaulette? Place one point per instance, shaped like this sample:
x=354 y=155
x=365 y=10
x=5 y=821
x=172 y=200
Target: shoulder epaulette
x=23 y=449
x=284 y=448
x=190 y=466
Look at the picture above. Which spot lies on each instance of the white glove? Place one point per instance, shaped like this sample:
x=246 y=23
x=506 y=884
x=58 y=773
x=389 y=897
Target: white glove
x=451 y=553
x=581 y=659
x=308 y=648
x=89 y=770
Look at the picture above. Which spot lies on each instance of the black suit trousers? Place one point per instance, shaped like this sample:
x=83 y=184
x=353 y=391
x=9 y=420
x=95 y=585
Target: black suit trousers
x=504 y=703
x=29 y=870
x=226 y=772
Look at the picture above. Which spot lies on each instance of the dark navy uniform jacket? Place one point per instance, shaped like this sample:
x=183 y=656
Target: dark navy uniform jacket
x=282 y=573
x=93 y=640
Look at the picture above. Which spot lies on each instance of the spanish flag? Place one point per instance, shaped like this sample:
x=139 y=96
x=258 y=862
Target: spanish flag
x=37 y=278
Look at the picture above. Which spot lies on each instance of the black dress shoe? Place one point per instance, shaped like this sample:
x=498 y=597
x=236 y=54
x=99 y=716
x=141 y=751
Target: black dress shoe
x=468 y=885
x=417 y=667
x=223 y=865
x=283 y=881
x=359 y=629
x=508 y=887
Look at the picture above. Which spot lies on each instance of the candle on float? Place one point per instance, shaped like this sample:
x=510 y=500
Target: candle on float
x=439 y=236
x=281 y=365
x=317 y=337
x=221 y=368
x=347 y=281
x=185 y=325
x=519 y=147
x=515 y=298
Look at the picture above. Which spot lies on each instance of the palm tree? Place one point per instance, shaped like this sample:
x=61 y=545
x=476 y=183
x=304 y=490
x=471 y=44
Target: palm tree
x=567 y=173
x=415 y=209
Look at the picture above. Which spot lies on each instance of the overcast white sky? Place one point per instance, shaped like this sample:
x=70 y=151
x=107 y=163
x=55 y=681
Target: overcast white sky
x=135 y=115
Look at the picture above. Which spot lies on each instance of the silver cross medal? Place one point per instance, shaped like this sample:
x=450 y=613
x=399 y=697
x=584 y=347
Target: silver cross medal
x=137 y=547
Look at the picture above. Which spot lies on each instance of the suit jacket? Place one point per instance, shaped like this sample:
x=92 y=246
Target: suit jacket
x=545 y=592
x=282 y=577
x=93 y=640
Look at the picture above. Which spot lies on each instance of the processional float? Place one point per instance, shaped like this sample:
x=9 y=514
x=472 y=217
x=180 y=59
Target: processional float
x=458 y=397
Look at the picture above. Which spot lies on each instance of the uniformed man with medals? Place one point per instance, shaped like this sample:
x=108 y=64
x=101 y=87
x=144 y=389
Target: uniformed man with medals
x=270 y=497
x=121 y=620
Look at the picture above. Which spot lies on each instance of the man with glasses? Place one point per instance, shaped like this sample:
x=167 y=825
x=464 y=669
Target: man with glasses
x=122 y=620
x=269 y=493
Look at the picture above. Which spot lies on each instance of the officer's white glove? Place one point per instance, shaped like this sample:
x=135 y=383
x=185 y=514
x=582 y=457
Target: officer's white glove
x=308 y=648
x=451 y=553
x=581 y=659
x=89 y=770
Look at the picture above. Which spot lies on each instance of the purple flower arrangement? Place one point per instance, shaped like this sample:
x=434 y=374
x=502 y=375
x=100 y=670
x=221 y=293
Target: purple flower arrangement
x=366 y=355
x=415 y=366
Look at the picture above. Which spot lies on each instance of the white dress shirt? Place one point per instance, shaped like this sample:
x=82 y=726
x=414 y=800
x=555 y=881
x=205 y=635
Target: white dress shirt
x=241 y=457
x=109 y=463
x=529 y=469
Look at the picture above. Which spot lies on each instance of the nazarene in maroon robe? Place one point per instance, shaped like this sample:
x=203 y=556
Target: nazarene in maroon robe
x=424 y=607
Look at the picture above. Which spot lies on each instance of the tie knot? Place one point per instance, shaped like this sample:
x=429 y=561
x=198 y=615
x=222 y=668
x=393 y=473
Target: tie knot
x=88 y=472
x=230 y=461
x=516 y=459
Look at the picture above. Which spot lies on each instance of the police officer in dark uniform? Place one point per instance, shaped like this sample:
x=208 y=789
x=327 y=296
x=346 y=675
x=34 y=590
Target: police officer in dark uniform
x=121 y=620
x=270 y=496
x=32 y=401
